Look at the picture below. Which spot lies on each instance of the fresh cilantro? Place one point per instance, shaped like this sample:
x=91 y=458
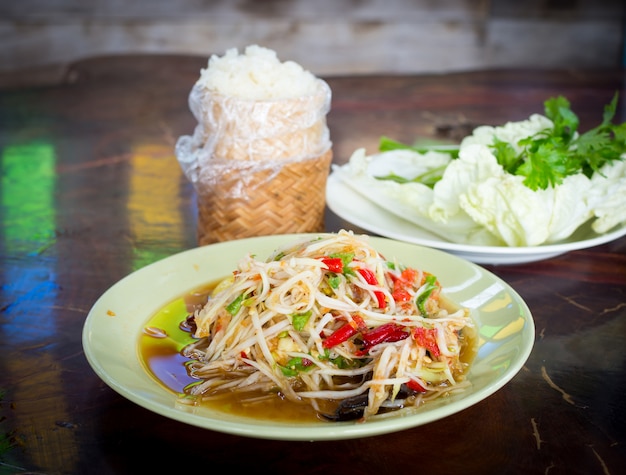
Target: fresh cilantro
x=550 y=156
x=506 y=154
x=545 y=165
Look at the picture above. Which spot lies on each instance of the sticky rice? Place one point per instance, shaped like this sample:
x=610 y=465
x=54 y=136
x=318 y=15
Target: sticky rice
x=261 y=151
x=256 y=74
x=252 y=106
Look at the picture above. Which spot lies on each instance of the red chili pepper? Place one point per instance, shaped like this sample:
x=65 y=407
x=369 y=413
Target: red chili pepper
x=369 y=276
x=371 y=279
x=415 y=386
x=380 y=297
x=427 y=337
x=244 y=355
x=334 y=264
x=340 y=335
x=389 y=332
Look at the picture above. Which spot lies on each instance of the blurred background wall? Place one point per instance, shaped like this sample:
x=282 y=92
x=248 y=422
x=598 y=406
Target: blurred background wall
x=328 y=37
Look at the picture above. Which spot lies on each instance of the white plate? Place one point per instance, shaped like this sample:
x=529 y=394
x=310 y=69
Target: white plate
x=354 y=208
x=114 y=324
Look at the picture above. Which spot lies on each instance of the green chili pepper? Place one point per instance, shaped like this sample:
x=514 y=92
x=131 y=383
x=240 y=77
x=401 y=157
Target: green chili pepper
x=334 y=280
x=299 y=320
x=235 y=305
x=421 y=299
x=339 y=361
x=296 y=365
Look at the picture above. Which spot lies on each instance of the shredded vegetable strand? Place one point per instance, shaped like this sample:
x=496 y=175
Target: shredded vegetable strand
x=332 y=320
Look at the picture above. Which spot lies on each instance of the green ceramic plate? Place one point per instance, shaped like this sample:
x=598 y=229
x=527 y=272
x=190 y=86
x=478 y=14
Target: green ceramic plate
x=112 y=328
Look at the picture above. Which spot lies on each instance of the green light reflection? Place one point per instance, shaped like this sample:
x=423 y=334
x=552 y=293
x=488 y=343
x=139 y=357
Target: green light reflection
x=28 y=220
x=27 y=197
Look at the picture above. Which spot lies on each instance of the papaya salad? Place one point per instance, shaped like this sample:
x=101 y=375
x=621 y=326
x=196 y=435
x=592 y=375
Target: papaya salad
x=332 y=323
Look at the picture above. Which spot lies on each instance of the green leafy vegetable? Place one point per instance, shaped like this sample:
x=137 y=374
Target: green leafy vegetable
x=429 y=178
x=549 y=156
x=385 y=144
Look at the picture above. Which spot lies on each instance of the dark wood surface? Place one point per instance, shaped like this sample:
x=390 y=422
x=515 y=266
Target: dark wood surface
x=91 y=191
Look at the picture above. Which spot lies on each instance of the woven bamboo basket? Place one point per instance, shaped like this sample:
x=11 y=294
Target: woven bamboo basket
x=290 y=199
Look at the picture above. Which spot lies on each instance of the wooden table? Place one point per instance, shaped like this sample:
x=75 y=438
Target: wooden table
x=91 y=191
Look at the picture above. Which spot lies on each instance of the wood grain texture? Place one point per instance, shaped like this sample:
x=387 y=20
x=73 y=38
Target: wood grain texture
x=91 y=191
x=325 y=36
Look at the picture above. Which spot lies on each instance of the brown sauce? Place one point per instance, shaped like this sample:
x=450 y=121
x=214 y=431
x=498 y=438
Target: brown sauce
x=160 y=348
x=160 y=353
